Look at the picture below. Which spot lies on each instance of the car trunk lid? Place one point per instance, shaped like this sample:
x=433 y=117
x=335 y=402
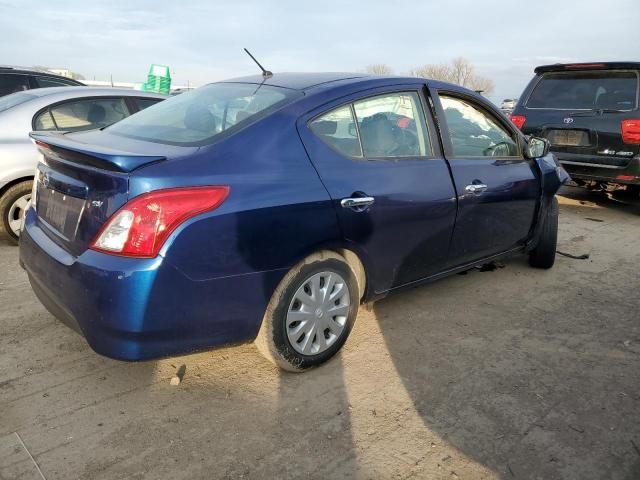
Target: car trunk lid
x=79 y=184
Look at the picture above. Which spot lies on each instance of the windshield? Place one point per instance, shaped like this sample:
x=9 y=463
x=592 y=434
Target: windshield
x=607 y=90
x=14 y=99
x=201 y=116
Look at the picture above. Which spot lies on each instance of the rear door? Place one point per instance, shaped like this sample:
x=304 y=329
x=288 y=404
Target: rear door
x=377 y=155
x=580 y=113
x=496 y=188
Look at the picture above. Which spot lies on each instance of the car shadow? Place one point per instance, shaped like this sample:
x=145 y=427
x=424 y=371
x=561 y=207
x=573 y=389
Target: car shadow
x=509 y=383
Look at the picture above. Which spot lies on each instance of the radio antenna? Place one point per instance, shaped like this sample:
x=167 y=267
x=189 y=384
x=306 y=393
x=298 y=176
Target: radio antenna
x=265 y=73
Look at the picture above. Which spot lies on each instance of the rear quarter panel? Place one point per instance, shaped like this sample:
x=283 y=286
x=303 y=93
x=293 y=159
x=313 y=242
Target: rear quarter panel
x=277 y=211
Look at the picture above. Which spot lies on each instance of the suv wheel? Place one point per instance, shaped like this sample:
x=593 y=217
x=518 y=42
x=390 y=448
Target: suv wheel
x=310 y=314
x=12 y=208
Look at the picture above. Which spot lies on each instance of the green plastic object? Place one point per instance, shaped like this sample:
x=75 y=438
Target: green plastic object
x=158 y=80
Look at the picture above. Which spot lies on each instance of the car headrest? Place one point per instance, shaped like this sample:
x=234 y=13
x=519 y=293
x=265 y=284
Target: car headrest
x=242 y=115
x=96 y=114
x=198 y=117
x=325 y=127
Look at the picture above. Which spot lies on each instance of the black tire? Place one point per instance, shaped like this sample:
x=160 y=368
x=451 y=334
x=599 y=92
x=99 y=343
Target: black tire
x=272 y=340
x=544 y=254
x=6 y=202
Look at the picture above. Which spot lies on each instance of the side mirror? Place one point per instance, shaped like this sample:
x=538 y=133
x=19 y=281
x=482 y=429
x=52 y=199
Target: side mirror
x=536 y=147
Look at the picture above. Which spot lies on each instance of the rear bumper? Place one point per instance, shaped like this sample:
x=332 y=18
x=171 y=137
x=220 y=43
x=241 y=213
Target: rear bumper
x=136 y=309
x=586 y=168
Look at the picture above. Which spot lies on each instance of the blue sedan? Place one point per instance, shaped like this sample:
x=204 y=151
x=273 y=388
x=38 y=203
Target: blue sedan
x=269 y=209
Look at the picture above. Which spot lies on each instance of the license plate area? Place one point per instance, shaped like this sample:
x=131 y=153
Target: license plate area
x=60 y=211
x=571 y=138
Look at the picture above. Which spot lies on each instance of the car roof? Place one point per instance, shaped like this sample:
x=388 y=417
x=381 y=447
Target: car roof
x=33 y=71
x=79 y=91
x=297 y=80
x=568 y=67
x=308 y=81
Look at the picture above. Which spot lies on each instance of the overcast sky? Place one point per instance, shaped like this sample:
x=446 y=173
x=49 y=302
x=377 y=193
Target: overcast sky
x=202 y=40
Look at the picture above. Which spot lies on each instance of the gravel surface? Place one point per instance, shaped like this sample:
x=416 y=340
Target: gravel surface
x=505 y=373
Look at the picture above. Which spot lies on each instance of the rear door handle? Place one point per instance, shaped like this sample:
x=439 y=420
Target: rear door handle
x=475 y=188
x=357 y=203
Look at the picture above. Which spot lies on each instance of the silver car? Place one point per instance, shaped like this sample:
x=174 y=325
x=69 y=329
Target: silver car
x=66 y=109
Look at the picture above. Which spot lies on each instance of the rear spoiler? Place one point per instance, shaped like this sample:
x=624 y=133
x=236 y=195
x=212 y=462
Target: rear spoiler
x=564 y=67
x=60 y=146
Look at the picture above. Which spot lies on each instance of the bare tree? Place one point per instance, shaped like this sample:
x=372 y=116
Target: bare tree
x=460 y=71
x=379 y=69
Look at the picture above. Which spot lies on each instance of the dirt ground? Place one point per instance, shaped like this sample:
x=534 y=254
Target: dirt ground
x=513 y=373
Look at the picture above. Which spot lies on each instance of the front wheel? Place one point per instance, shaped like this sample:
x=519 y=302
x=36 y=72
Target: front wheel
x=544 y=254
x=310 y=314
x=12 y=208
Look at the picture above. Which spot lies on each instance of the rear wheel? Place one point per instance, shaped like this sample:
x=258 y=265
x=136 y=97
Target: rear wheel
x=310 y=314
x=12 y=208
x=544 y=254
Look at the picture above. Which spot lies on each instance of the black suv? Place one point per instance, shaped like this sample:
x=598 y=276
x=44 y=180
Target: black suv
x=13 y=79
x=589 y=113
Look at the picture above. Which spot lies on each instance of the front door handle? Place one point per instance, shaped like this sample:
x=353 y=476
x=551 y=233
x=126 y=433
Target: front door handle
x=357 y=203
x=475 y=188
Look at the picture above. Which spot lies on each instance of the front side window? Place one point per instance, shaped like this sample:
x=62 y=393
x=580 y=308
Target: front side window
x=586 y=91
x=88 y=114
x=475 y=133
x=392 y=126
x=200 y=116
x=338 y=129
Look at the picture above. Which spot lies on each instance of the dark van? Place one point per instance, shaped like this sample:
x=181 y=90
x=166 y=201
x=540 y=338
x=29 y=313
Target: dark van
x=589 y=113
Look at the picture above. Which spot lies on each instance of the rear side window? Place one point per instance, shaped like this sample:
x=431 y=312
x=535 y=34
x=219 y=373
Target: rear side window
x=44 y=121
x=86 y=114
x=143 y=103
x=338 y=129
x=475 y=133
x=392 y=126
x=12 y=83
x=385 y=126
x=200 y=116
x=45 y=82
x=609 y=90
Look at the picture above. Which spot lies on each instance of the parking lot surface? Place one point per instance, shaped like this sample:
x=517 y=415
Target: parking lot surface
x=505 y=373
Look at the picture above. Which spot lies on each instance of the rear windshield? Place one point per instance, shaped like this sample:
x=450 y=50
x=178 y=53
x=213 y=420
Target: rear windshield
x=14 y=99
x=606 y=90
x=201 y=116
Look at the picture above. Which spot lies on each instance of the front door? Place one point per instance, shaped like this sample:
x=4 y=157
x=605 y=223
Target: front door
x=388 y=181
x=496 y=186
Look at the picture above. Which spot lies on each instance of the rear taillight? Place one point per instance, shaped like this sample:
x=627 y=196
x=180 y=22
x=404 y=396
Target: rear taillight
x=140 y=228
x=518 y=120
x=631 y=131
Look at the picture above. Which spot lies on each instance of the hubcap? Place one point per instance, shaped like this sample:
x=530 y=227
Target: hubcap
x=318 y=313
x=16 y=213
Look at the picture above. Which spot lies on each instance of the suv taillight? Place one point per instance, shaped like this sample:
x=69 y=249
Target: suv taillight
x=140 y=227
x=518 y=120
x=631 y=131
